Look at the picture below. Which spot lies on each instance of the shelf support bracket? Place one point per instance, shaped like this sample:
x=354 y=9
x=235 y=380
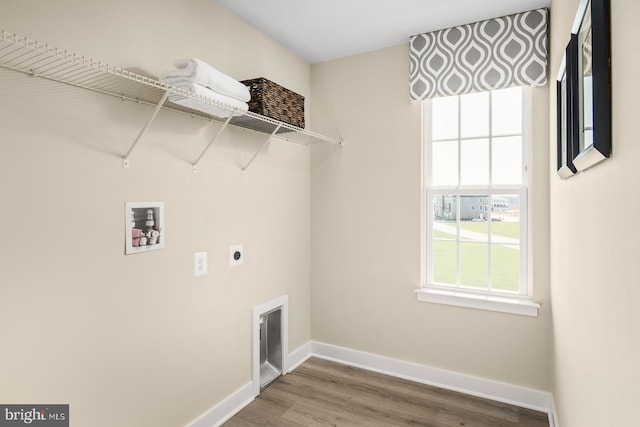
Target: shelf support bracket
x=125 y=158
x=261 y=148
x=224 y=125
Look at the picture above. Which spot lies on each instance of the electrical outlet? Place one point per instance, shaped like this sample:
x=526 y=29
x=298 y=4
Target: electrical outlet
x=200 y=264
x=236 y=255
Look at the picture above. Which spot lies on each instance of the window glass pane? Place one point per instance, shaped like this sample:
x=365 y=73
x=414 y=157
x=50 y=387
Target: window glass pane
x=475 y=238
x=506 y=160
x=474 y=113
x=505 y=267
x=445 y=262
x=474 y=264
x=505 y=219
x=444 y=166
x=444 y=120
x=445 y=233
x=445 y=209
x=474 y=215
x=475 y=209
x=474 y=162
x=506 y=111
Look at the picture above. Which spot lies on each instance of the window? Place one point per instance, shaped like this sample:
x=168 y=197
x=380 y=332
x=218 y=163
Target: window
x=475 y=154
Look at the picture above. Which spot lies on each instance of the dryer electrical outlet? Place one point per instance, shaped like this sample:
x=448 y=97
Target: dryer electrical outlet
x=236 y=255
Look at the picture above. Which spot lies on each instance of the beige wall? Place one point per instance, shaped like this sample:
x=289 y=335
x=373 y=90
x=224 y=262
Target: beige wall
x=366 y=234
x=595 y=251
x=138 y=340
x=82 y=323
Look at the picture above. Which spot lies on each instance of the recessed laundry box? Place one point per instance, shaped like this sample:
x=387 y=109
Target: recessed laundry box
x=270 y=347
x=270 y=342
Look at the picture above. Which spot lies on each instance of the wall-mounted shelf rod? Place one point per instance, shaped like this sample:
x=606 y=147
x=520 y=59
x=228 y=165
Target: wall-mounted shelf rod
x=261 y=148
x=224 y=125
x=125 y=158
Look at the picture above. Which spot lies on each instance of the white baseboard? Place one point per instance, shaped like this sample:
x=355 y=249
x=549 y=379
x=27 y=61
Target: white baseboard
x=245 y=395
x=225 y=409
x=298 y=357
x=488 y=389
x=553 y=414
x=515 y=395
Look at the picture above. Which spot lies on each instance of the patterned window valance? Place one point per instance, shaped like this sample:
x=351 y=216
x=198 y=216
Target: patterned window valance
x=493 y=54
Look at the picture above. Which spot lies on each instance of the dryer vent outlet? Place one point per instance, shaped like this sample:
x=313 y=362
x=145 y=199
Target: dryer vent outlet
x=236 y=255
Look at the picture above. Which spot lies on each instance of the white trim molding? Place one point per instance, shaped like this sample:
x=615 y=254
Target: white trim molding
x=298 y=357
x=225 y=409
x=553 y=414
x=506 y=304
x=515 y=395
x=235 y=402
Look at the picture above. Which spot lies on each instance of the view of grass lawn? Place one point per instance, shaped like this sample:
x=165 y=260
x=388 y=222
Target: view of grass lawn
x=474 y=258
x=505 y=267
x=509 y=229
x=437 y=234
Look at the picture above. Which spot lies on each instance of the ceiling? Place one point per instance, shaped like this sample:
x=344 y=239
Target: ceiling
x=321 y=30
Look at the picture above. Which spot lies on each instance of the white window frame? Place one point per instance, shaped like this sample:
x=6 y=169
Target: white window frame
x=514 y=303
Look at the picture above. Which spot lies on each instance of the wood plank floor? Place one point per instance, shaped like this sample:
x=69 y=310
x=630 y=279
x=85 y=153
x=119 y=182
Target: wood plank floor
x=324 y=393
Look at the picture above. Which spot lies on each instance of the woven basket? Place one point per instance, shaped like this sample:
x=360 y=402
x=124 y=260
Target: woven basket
x=272 y=100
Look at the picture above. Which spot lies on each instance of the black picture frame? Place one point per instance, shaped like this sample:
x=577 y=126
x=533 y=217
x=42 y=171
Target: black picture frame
x=566 y=102
x=592 y=83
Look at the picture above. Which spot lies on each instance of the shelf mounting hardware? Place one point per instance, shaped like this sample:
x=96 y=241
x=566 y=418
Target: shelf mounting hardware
x=125 y=159
x=261 y=148
x=224 y=125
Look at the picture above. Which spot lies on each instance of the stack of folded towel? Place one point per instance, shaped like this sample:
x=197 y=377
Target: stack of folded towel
x=201 y=79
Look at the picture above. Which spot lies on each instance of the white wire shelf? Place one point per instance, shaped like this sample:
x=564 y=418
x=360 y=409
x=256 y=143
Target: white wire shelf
x=42 y=60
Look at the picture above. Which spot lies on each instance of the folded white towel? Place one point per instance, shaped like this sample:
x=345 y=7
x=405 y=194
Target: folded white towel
x=200 y=72
x=213 y=103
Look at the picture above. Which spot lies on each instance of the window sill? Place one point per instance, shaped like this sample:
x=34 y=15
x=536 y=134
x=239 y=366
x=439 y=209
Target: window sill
x=504 y=304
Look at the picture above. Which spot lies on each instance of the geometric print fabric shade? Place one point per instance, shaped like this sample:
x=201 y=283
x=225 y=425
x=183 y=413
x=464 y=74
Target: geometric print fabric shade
x=488 y=55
